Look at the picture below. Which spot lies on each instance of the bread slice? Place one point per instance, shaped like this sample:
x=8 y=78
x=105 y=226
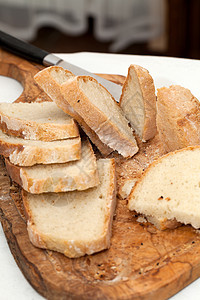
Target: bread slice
x=101 y=113
x=74 y=223
x=77 y=175
x=28 y=153
x=161 y=223
x=138 y=102
x=50 y=80
x=169 y=189
x=37 y=121
x=178 y=118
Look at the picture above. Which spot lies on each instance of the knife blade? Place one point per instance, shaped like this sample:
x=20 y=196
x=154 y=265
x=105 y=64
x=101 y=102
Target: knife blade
x=45 y=58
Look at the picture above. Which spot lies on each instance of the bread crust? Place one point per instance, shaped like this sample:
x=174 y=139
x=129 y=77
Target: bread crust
x=96 y=119
x=84 y=179
x=47 y=82
x=147 y=89
x=178 y=118
x=29 y=155
x=32 y=130
x=111 y=198
x=70 y=248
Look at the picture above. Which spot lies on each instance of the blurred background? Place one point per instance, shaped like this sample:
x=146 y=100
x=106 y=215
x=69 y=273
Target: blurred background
x=153 y=27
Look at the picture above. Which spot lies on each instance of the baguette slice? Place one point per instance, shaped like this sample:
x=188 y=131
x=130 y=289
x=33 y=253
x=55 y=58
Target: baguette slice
x=138 y=102
x=101 y=113
x=74 y=223
x=78 y=175
x=37 y=121
x=50 y=80
x=28 y=153
x=169 y=189
x=178 y=118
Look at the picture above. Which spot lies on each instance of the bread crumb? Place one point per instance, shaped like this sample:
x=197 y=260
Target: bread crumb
x=141 y=219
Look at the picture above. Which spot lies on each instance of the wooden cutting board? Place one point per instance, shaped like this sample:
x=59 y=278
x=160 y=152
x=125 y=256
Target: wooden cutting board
x=142 y=262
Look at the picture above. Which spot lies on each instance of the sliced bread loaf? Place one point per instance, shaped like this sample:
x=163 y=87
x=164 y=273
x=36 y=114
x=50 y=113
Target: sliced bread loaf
x=27 y=152
x=178 y=118
x=77 y=175
x=50 y=80
x=138 y=102
x=101 y=113
x=169 y=189
x=74 y=223
x=37 y=121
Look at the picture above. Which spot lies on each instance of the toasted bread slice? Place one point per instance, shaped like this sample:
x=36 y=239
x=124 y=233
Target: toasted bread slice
x=78 y=222
x=50 y=80
x=178 y=118
x=169 y=188
x=138 y=102
x=28 y=153
x=37 y=121
x=77 y=175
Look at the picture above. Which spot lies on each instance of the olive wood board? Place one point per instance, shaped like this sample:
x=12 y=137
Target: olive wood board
x=142 y=262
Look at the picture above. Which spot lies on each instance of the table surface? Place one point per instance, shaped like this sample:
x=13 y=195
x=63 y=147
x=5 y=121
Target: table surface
x=165 y=71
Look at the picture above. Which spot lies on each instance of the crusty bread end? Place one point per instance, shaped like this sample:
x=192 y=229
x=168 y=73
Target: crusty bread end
x=178 y=118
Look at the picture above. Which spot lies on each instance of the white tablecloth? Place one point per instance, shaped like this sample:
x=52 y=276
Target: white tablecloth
x=165 y=71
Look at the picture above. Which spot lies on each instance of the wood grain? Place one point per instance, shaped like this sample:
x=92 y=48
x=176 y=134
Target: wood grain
x=142 y=262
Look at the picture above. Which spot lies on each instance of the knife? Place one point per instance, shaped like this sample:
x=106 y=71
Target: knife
x=45 y=58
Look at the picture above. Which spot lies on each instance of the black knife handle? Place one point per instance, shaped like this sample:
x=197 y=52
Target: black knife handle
x=22 y=48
